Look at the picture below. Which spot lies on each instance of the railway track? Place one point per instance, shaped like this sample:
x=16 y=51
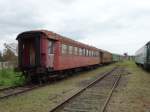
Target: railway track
x=94 y=97
x=12 y=91
x=7 y=88
x=16 y=90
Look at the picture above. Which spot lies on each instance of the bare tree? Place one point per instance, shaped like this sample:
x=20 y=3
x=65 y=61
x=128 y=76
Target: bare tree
x=12 y=46
x=1 y=57
x=10 y=54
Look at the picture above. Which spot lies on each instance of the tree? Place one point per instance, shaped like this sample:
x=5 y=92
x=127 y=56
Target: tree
x=10 y=52
x=8 y=55
x=1 y=57
x=12 y=46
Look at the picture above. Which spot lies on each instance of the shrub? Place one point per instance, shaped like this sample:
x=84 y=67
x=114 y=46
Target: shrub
x=10 y=78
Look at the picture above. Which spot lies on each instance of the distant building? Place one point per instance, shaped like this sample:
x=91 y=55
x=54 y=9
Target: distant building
x=128 y=57
x=6 y=65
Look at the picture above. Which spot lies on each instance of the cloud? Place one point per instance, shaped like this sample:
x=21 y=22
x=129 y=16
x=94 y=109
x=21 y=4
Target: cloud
x=117 y=26
x=16 y=17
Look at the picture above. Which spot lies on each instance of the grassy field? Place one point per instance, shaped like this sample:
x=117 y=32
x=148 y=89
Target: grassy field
x=134 y=95
x=43 y=99
x=10 y=78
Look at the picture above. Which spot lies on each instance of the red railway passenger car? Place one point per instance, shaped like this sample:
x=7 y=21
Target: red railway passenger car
x=43 y=52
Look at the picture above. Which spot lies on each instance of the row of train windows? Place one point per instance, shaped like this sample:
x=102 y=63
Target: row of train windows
x=66 y=49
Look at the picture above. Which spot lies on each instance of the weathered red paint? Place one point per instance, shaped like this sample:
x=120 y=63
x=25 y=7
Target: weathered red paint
x=67 y=61
x=57 y=55
x=43 y=52
x=28 y=45
x=71 y=61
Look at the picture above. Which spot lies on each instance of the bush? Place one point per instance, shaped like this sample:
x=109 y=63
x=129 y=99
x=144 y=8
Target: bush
x=10 y=78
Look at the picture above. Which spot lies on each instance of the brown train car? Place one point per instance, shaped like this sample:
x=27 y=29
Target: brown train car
x=43 y=51
x=106 y=57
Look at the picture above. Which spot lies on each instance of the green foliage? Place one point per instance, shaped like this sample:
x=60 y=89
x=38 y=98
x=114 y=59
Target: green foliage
x=10 y=78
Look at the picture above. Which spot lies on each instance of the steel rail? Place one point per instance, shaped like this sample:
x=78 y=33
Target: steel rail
x=20 y=92
x=7 y=88
x=25 y=89
x=82 y=90
x=110 y=93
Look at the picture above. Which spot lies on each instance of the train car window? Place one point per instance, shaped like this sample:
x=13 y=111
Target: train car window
x=23 y=46
x=70 y=49
x=75 y=50
x=64 y=49
x=83 y=52
x=87 y=52
x=92 y=53
x=50 y=47
x=80 y=51
x=97 y=53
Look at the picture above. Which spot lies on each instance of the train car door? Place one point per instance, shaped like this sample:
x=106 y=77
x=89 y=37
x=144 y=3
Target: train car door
x=50 y=53
x=28 y=52
x=32 y=54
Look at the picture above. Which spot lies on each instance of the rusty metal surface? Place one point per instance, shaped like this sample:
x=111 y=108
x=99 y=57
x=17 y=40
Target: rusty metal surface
x=7 y=88
x=12 y=91
x=17 y=90
x=55 y=36
x=111 y=92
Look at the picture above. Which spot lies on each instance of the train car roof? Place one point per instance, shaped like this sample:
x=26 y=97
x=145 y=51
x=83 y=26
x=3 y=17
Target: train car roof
x=55 y=36
x=105 y=51
x=140 y=49
x=148 y=43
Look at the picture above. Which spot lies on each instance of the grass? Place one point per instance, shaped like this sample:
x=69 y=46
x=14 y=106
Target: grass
x=10 y=78
x=43 y=99
x=135 y=95
x=132 y=96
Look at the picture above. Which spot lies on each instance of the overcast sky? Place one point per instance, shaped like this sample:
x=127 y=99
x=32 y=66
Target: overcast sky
x=115 y=25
